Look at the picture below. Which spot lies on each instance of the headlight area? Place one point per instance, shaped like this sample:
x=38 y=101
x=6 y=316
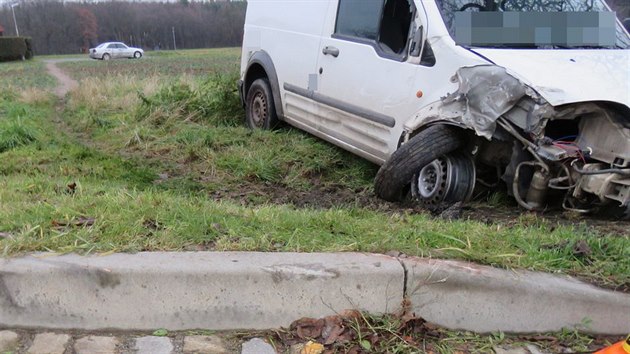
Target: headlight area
x=578 y=154
x=575 y=156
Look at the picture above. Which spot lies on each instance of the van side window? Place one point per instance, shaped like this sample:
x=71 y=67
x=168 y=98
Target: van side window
x=359 y=18
x=394 y=30
x=428 y=57
x=384 y=24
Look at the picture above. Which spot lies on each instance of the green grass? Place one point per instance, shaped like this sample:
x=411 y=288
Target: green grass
x=132 y=216
x=15 y=133
x=164 y=162
x=18 y=75
x=166 y=64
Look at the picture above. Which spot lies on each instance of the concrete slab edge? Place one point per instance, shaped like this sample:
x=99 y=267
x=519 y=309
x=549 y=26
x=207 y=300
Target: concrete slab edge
x=186 y=290
x=241 y=290
x=462 y=295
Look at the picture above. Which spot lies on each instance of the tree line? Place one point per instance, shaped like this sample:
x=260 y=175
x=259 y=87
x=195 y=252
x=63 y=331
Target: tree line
x=58 y=27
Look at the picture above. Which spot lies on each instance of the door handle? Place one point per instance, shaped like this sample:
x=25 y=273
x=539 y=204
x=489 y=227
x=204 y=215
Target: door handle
x=329 y=50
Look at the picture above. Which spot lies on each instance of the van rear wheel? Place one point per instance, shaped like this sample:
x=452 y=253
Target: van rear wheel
x=427 y=156
x=260 y=111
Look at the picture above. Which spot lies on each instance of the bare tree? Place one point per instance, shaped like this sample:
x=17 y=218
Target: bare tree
x=59 y=28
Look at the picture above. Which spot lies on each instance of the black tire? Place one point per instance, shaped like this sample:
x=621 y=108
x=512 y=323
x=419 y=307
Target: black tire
x=106 y=56
x=137 y=55
x=395 y=175
x=260 y=109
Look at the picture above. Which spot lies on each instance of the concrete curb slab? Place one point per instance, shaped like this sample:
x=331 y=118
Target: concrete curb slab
x=186 y=290
x=241 y=290
x=461 y=295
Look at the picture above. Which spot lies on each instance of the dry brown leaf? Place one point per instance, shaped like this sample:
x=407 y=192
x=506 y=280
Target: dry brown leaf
x=308 y=328
x=71 y=188
x=312 y=348
x=354 y=350
x=350 y=314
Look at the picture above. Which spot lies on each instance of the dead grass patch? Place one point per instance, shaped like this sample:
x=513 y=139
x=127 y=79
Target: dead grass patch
x=34 y=95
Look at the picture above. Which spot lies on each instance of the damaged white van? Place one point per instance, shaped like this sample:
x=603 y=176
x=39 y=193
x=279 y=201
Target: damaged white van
x=534 y=97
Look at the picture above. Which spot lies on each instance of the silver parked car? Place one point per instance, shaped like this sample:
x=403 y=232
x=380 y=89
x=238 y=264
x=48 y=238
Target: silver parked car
x=113 y=50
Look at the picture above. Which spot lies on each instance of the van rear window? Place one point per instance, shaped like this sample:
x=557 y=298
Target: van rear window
x=359 y=18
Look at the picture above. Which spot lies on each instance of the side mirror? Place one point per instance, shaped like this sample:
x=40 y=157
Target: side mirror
x=416 y=43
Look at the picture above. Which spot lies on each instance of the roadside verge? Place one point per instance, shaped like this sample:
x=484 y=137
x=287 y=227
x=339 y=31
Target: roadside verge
x=249 y=290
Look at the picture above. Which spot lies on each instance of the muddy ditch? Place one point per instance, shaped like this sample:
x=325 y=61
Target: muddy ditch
x=332 y=195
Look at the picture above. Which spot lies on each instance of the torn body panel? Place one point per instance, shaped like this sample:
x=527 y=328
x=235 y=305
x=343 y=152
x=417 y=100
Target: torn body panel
x=485 y=93
x=579 y=153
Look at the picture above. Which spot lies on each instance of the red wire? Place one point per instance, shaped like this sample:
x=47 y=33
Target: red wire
x=570 y=147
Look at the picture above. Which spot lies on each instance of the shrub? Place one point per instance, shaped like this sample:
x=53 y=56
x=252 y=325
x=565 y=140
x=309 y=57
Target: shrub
x=29 y=47
x=15 y=48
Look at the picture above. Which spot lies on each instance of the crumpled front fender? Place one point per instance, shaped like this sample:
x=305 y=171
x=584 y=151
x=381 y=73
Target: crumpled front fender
x=485 y=93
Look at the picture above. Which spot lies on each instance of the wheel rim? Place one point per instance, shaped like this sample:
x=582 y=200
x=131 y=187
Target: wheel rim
x=431 y=181
x=137 y=55
x=106 y=57
x=259 y=109
x=448 y=179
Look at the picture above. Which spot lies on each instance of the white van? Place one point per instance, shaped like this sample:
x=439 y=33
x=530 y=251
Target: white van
x=546 y=115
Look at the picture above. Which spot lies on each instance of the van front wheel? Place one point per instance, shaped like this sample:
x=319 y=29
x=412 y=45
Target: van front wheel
x=423 y=156
x=260 y=111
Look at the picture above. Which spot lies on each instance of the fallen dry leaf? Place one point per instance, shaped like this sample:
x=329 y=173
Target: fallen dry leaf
x=354 y=350
x=312 y=348
x=71 y=188
x=308 y=328
x=353 y=332
x=350 y=314
x=336 y=336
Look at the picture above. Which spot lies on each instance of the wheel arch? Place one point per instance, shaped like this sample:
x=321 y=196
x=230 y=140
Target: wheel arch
x=259 y=66
x=463 y=131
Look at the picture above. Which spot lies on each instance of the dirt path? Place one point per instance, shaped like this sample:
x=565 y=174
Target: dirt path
x=65 y=82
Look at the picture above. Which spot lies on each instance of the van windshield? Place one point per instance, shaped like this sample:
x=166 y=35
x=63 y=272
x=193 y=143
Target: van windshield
x=533 y=23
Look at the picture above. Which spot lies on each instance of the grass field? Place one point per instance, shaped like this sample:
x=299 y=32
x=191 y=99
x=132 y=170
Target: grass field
x=22 y=75
x=163 y=64
x=152 y=155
